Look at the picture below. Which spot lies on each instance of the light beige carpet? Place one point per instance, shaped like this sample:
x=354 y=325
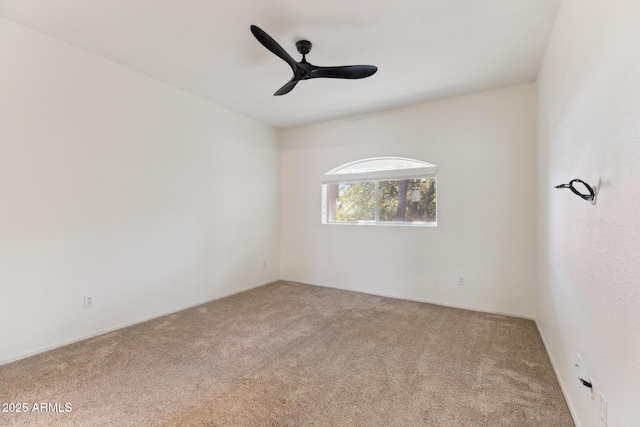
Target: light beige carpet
x=297 y=355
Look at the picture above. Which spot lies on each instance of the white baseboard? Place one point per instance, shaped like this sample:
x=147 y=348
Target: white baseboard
x=462 y=307
x=563 y=388
x=124 y=325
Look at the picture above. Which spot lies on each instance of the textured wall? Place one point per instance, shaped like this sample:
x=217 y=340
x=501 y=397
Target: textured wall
x=484 y=148
x=120 y=187
x=589 y=128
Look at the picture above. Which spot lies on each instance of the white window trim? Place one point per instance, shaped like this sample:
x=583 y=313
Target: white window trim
x=426 y=170
x=391 y=175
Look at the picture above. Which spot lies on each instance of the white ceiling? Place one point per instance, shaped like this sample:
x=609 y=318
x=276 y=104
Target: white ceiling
x=424 y=49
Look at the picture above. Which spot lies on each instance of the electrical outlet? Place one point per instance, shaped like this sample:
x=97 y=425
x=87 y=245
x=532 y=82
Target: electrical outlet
x=460 y=281
x=88 y=302
x=603 y=409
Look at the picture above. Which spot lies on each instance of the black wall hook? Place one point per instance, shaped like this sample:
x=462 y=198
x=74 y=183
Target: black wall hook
x=590 y=197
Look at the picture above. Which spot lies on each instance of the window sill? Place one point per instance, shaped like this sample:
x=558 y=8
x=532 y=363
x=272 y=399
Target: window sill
x=387 y=224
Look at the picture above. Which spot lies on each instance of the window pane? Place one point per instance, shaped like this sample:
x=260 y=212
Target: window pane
x=353 y=202
x=379 y=164
x=407 y=200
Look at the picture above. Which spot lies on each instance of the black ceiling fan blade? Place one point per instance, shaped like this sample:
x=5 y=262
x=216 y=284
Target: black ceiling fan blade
x=344 y=72
x=287 y=88
x=273 y=46
x=303 y=70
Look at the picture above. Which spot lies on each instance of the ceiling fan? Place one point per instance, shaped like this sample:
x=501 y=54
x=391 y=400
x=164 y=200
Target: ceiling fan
x=303 y=70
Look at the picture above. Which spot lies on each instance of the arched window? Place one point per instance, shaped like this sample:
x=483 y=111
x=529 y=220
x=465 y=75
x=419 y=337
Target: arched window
x=381 y=190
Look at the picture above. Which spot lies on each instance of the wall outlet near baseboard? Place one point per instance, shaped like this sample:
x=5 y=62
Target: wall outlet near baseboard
x=460 y=281
x=88 y=302
x=603 y=409
x=578 y=363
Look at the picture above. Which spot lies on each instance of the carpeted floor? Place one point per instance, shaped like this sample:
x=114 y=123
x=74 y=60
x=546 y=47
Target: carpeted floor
x=297 y=355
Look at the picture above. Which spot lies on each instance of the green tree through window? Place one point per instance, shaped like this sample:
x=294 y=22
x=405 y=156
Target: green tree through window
x=419 y=196
x=356 y=202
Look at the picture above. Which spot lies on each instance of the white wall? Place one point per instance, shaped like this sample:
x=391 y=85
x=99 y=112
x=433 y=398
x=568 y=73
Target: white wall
x=589 y=122
x=123 y=188
x=484 y=148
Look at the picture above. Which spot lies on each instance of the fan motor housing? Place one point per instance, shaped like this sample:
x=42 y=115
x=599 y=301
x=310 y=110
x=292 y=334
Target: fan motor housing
x=303 y=46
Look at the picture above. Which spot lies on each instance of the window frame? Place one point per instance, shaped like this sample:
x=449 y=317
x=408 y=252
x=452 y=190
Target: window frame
x=423 y=171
